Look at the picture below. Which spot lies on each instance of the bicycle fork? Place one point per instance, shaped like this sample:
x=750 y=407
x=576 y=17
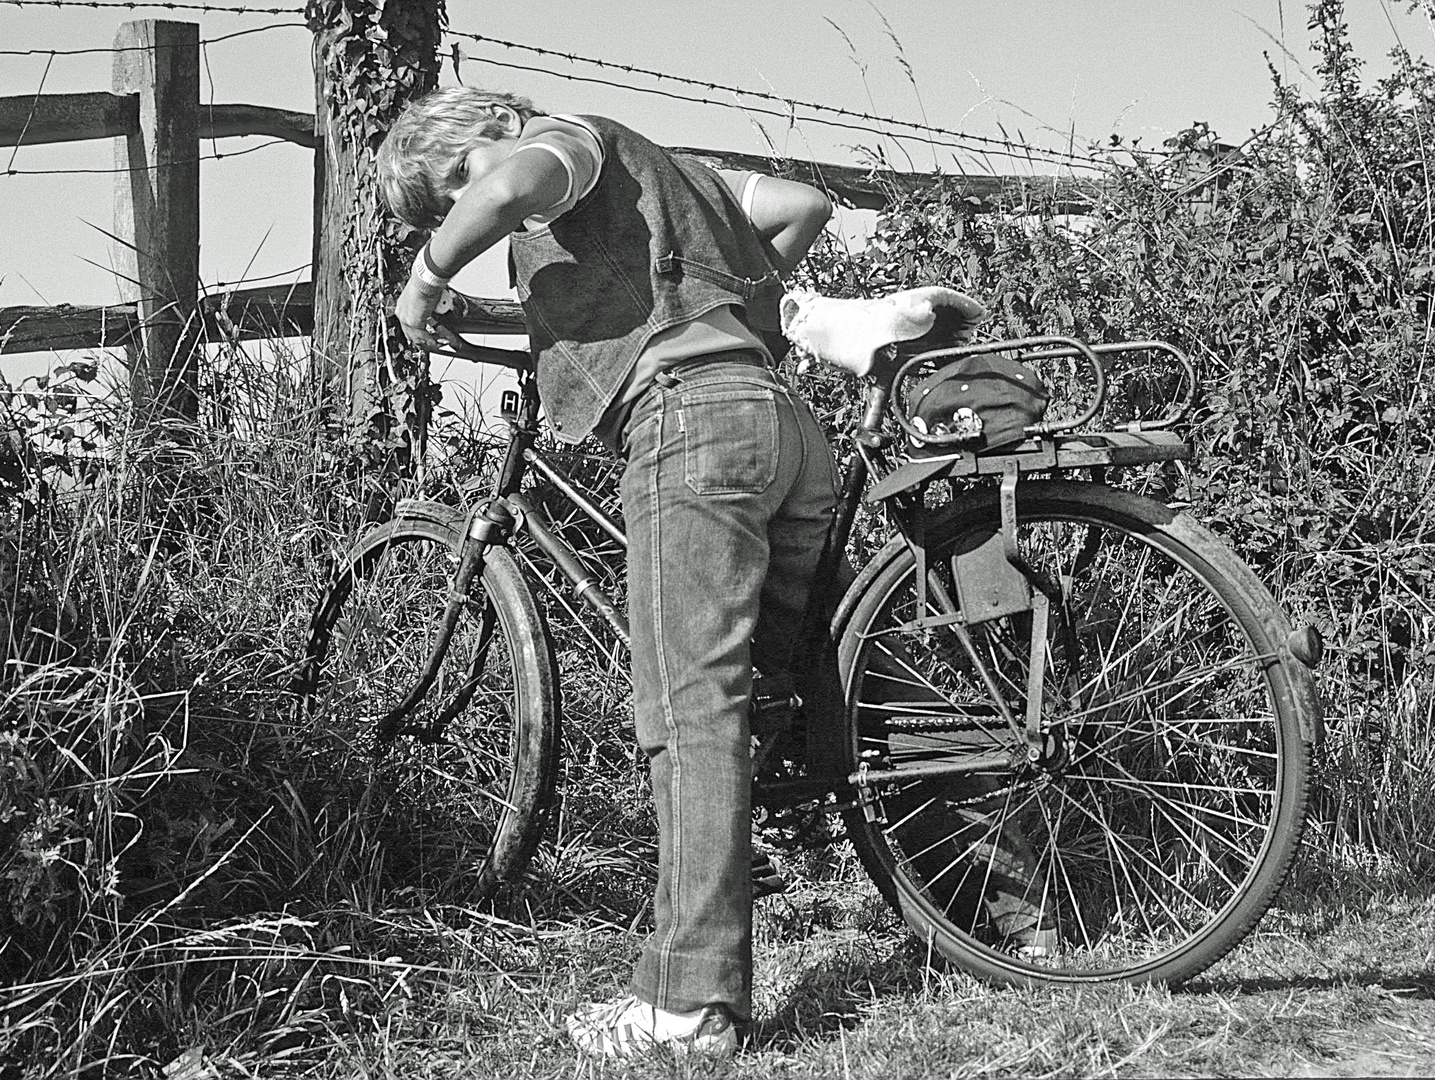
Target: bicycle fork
x=491 y=524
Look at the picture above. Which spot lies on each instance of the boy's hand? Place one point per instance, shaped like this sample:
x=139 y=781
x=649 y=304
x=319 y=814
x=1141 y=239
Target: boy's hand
x=414 y=310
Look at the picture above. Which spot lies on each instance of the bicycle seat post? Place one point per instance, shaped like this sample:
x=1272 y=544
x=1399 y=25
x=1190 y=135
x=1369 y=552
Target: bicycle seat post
x=879 y=394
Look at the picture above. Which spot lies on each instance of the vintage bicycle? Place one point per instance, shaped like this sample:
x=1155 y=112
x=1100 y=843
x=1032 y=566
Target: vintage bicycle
x=1066 y=729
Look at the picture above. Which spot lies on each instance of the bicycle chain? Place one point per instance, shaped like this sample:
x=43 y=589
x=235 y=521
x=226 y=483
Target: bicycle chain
x=940 y=723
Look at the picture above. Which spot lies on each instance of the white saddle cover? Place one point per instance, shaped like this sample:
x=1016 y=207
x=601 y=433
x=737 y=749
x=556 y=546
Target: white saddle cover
x=846 y=334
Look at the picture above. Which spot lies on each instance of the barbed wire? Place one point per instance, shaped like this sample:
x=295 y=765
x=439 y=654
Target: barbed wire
x=1020 y=151
x=145 y=48
x=917 y=132
x=169 y=5
x=920 y=131
x=146 y=168
x=927 y=134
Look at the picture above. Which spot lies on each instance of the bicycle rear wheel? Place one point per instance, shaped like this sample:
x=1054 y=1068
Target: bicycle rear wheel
x=452 y=806
x=1168 y=796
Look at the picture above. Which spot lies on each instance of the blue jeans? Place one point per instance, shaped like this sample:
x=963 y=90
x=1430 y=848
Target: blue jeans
x=727 y=496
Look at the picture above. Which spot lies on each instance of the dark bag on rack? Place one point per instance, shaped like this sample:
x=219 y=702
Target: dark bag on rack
x=986 y=401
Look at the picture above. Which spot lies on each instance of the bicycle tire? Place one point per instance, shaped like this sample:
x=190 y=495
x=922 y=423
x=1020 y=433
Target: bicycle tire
x=1169 y=801
x=457 y=817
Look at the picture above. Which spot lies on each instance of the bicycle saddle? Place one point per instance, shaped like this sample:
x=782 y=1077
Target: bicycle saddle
x=847 y=334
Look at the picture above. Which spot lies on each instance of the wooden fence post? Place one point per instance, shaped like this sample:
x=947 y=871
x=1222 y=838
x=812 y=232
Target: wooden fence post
x=156 y=251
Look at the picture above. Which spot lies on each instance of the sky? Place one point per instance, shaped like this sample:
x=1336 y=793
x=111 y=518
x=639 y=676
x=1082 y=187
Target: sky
x=1052 y=73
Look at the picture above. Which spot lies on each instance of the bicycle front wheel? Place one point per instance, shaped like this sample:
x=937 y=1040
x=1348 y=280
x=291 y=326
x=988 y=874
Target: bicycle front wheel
x=1155 y=822
x=457 y=802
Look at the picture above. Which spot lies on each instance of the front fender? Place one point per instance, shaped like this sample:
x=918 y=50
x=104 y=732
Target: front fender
x=438 y=513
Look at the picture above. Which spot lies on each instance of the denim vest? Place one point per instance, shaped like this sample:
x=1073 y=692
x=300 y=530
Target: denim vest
x=659 y=241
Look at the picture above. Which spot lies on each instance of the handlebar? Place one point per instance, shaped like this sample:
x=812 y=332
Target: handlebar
x=459 y=313
x=484 y=354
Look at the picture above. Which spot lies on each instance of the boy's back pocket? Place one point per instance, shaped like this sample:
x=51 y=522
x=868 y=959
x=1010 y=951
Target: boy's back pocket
x=729 y=439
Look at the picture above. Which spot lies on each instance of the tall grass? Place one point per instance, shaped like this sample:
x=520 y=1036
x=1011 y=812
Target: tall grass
x=181 y=863
x=151 y=786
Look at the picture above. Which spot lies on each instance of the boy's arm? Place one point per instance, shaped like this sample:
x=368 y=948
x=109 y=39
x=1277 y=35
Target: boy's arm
x=493 y=206
x=789 y=216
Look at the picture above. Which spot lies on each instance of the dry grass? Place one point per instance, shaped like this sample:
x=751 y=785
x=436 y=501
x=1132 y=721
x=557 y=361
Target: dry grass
x=841 y=992
x=183 y=874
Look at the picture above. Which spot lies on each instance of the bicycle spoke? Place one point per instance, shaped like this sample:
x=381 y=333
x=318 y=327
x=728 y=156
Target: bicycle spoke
x=1202 y=675
x=440 y=793
x=1115 y=838
x=1111 y=860
x=1157 y=800
x=1161 y=808
x=1058 y=859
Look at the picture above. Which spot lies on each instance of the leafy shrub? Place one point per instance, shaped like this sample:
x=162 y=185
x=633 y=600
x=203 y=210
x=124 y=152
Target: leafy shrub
x=1296 y=270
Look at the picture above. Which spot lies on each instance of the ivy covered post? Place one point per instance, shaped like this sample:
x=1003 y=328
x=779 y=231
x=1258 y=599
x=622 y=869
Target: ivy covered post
x=371 y=58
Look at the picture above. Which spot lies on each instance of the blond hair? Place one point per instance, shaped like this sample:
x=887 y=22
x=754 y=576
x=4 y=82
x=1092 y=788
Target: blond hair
x=420 y=157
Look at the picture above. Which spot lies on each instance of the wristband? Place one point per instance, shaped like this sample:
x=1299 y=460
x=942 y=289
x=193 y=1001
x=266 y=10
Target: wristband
x=424 y=271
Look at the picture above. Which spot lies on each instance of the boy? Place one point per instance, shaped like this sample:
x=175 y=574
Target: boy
x=647 y=282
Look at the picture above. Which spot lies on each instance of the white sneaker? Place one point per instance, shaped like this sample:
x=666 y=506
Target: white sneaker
x=630 y=1026
x=1042 y=945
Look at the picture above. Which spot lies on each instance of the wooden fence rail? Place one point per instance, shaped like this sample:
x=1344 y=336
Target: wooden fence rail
x=50 y=118
x=157 y=121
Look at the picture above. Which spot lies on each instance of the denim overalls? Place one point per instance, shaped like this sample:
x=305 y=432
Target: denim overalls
x=727 y=494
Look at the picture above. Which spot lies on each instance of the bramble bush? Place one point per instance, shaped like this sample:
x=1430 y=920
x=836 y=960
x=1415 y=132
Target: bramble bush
x=1296 y=270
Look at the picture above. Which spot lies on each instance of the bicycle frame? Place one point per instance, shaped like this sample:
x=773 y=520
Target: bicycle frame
x=507 y=511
